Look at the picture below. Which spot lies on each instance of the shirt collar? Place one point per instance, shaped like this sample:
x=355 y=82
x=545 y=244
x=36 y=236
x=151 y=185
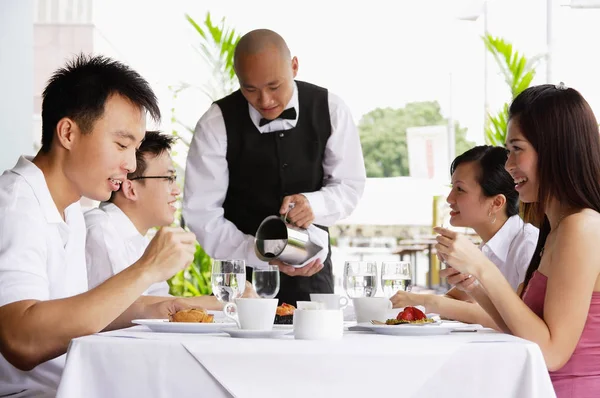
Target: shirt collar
x=36 y=180
x=122 y=223
x=255 y=116
x=501 y=241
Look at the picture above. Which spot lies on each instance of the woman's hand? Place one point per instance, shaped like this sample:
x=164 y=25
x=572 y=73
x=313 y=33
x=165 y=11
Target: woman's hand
x=404 y=299
x=463 y=282
x=459 y=252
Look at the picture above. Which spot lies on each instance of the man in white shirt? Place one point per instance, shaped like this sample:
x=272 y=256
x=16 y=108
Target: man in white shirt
x=274 y=142
x=116 y=230
x=93 y=120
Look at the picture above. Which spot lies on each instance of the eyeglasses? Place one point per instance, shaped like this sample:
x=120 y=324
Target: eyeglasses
x=171 y=178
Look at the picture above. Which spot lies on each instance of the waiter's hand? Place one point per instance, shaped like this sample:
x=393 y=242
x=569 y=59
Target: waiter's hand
x=301 y=215
x=308 y=270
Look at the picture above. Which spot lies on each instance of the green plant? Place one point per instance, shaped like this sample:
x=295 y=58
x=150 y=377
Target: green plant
x=216 y=46
x=518 y=72
x=194 y=280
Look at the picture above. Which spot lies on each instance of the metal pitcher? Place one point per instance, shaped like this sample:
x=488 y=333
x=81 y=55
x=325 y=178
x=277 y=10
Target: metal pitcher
x=277 y=239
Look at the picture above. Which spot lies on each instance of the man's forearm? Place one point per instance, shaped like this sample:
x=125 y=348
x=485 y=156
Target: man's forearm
x=334 y=202
x=25 y=336
x=135 y=311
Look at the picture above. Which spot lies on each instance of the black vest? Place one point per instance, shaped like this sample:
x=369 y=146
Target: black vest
x=263 y=168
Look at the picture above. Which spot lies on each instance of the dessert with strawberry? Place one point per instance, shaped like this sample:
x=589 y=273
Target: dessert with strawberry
x=411 y=315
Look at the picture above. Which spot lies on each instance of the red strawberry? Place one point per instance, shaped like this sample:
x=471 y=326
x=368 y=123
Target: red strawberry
x=406 y=315
x=411 y=314
x=419 y=315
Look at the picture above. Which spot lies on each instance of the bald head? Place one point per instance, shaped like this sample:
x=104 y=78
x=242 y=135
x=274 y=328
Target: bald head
x=259 y=41
x=266 y=71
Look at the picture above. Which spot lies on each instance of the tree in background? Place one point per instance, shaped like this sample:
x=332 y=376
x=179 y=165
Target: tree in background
x=383 y=136
x=518 y=73
x=216 y=46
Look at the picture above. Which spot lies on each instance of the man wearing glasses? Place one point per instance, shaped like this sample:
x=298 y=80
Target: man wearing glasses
x=116 y=230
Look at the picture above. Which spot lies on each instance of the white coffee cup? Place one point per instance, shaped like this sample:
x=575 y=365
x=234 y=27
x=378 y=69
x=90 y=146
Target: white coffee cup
x=252 y=313
x=310 y=305
x=368 y=309
x=331 y=301
x=318 y=324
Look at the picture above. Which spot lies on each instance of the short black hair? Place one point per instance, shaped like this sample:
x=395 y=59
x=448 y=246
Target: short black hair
x=80 y=89
x=155 y=143
x=492 y=177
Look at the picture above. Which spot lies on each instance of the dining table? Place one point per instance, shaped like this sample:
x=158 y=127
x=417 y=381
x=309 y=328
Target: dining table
x=465 y=362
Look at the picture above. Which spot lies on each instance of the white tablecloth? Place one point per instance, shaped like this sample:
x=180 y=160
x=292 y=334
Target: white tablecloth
x=136 y=362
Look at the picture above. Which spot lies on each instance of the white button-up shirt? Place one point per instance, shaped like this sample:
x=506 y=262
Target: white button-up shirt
x=42 y=257
x=113 y=243
x=511 y=249
x=207 y=178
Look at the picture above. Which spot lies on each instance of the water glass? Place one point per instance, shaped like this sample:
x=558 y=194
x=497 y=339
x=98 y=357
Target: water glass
x=360 y=278
x=266 y=281
x=395 y=275
x=228 y=279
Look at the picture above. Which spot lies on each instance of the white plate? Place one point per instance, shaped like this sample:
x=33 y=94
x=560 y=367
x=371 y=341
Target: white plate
x=256 y=334
x=164 y=326
x=426 y=329
x=218 y=315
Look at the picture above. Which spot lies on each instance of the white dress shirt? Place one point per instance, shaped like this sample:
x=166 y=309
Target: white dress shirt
x=42 y=257
x=511 y=249
x=207 y=178
x=113 y=243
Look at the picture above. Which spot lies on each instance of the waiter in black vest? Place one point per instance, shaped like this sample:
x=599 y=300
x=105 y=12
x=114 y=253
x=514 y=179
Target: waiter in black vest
x=273 y=142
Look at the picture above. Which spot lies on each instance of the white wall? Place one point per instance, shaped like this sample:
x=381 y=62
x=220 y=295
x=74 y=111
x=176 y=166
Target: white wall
x=16 y=80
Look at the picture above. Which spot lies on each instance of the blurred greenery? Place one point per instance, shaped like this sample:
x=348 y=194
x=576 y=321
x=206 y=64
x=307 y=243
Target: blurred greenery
x=194 y=280
x=518 y=72
x=216 y=46
x=383 y=136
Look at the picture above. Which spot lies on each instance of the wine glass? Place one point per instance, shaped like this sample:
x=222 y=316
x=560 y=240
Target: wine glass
x=360 y=278
x=228 y=279
x=266 y=281
x=395 y=275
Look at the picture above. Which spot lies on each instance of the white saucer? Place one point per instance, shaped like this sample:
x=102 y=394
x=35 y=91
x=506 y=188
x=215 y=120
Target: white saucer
x=164 y=326
x=256 y=334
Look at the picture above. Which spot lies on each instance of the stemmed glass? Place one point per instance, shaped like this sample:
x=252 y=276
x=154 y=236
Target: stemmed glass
x=228 y=279
x=360 y=278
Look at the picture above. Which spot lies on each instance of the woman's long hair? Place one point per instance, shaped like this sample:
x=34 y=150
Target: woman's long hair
x=561 y=127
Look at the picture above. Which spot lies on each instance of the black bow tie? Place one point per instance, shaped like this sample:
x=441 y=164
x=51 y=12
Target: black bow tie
x=289 y=113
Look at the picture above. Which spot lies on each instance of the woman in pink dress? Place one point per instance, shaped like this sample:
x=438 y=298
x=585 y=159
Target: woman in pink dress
x=554 y=159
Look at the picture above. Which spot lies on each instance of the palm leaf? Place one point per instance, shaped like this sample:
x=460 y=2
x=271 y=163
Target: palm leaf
x=216 y=46
x=518 y=72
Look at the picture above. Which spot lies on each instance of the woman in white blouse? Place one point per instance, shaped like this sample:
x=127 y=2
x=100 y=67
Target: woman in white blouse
x=484 y=198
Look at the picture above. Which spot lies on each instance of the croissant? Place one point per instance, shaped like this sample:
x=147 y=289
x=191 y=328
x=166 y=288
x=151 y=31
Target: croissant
x=198 y=315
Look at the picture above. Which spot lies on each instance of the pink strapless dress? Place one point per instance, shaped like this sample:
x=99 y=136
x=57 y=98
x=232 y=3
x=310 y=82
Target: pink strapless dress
x=580 y=377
